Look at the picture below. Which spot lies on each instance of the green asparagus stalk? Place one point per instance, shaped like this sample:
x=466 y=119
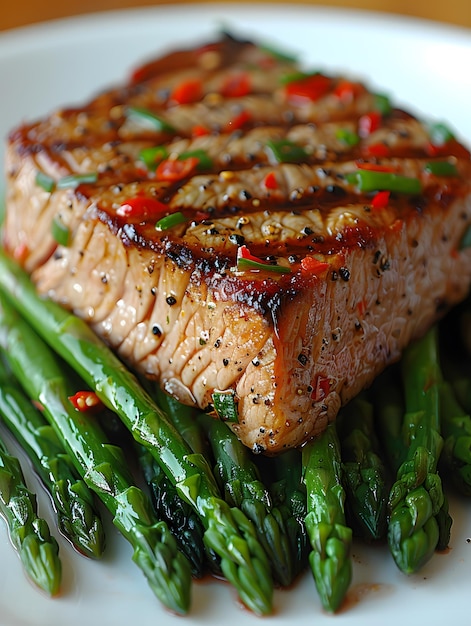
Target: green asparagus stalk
x=227 y=531
x=240 y=481
x=283 y=474
x=456 y=431
x=102 y=466
x=77 y=517
x=29 y=534
x=184 y=418
x=329 y=535
x=180 y=517
x=364 y=473
x=416 y=498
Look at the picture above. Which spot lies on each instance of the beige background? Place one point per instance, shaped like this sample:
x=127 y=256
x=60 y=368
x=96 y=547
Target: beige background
x=456 y=12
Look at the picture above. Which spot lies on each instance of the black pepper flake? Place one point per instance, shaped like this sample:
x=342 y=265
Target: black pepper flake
x=156 y=330
x=344 y=274
x=237 y=239
x=307 y=230
x=302 y=358
x=171 y=300
x=225 y=362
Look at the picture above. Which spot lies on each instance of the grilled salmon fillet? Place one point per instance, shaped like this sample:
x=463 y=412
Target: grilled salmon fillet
x=260 y=239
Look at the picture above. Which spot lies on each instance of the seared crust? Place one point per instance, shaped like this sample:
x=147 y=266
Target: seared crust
x=348 y=277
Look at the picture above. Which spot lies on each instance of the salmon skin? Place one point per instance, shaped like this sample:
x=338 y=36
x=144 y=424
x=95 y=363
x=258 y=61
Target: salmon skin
x=260 y=239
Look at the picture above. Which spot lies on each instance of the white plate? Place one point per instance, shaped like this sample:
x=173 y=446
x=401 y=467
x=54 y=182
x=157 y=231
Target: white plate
x=424 y=66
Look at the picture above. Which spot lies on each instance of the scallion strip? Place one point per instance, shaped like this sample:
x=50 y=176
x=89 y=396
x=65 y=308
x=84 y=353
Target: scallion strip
x=74 y=180
x=286 y=151
x=170 y=220
x=60 y=232
x=155 y=121
x=441 y=168
x=248 y=264
x=369 y=180
x=45 y=181
x=153 y=156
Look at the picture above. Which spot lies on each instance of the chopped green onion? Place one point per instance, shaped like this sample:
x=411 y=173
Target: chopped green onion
x=286 y=151
x=205 y=162
x=170 y=220
x=74 y=180
x=347 y=136
x=60 y=232
x=440 y=134
x=45 y=182
x=152 y=156
x=369 y=180
x=155 y=121
x=382 y=104
x=226 y=406
x=441 y=168
x=248 y=264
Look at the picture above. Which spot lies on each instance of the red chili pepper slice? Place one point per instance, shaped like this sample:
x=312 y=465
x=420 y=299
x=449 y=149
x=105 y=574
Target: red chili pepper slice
x=368 y=123
x=239 y=121
x=378 y=150
x=199 y=131
x=347 y=91
x=141 y=207
x=85 y=400
x=270 y=181
x=380 y=200
x=188 y=91
x=320 y=388
x=244 y=253
x=236 y=85
x=310 y=88
x=173 y=170
x=312 y=266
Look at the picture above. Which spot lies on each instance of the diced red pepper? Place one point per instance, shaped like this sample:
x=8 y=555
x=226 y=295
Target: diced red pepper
x=85 y=400
x=239 y=121
x=244 y=253
x=173 y=170
x=142 y=207
x=309 y=88
x=199 y=131
x=237 y=85
x=377 y=150
x=270 y=181
x=312 y=266
x=320 y=388
x=187 y=91
x=347 y=91
x=368 y=123
x=380 y=200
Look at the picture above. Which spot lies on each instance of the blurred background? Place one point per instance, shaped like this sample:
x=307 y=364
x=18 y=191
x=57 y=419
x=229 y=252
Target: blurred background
x=457 y=12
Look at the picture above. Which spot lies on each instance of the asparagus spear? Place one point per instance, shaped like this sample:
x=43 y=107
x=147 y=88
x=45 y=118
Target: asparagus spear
x=289 y=496
x=180 y=517
x=364 y=473
x=329 y=535
x=240 y=480
x=77 y=517
x=227 y=531
x=456 y=430
x=29 y=534
x=102 y=466
x=416 y=498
